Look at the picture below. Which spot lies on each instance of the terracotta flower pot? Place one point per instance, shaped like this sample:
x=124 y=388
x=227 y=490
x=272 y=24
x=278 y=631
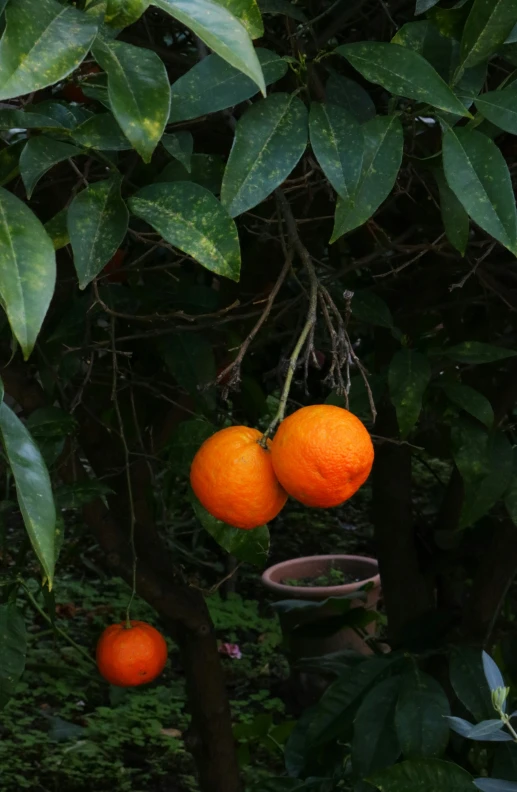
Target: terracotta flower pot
x=313 y=642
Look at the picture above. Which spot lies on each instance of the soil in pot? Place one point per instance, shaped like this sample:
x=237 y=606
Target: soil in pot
x=332 y=577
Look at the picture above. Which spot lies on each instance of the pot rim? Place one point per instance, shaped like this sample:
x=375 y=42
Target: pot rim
x=319 y=592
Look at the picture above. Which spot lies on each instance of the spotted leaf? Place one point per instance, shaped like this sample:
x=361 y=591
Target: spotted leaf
x=486 y=29
x=121 y=13
x=402 y=72
x=384 y=141
x=270 y=139
x=189 y=217
x=213 y=84
x=97 y=225
x=180 y=146
x=220 y=31
x=138 y=91
x=247 y=12
x=478 y=175
x=338 y=143
x=27 y=270
x=43 y=42
x=101 y=132
x=500 y=107
x=408 y=377
x=39 y=155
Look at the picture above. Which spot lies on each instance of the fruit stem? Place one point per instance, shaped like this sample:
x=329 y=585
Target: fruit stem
x=306 y=259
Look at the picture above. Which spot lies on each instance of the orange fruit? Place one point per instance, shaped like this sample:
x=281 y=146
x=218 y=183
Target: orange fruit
x=131 y=656
x=233 y=478
x=321 y=455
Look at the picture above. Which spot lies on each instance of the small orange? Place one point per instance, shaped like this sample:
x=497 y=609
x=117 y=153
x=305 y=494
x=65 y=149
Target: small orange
x=131 y=656
x=321 y=455
x=233 y=477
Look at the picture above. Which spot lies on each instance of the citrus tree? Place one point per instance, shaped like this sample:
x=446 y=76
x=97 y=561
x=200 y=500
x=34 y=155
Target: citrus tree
x=213 y=211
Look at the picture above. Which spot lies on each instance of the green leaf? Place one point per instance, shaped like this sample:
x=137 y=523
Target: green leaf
x=39 y=155
x=270 y=140
x=138 y=90
x=472 y=401
x=370 y=308
x=472 y=352
x=486 y=29
x=190 y=359
x=408 y=377
x=206 y=170
x=9 y=162
x=500 y=108
x=425 y=38
x=21 y=119
x=51 y=422
x=247 y=12
x=57 y=229
x=212 y=85
x=43 y=42
x=33 y=488
x=192 y=219
x=101 y=132
x=454 y=217
x=13 y=647
x=420 y=718
x=122 y=13
x=338 y=143
x=180 y=145
x=59 y=115
x=485 y=464
x=220 y=31
x=282 y=7
x=403 y=72
x=97 y=224
x=375 y=744
x=350 y=96
x=27 y=270
x=384 y=141
x=423 y=775
x=80 y=493
x=469 y=683
x=424 y=5
x=337 y=707
x=495 y=785
x=478 y=175
x=251 y=546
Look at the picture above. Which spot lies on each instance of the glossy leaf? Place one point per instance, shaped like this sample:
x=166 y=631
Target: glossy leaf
x=478 y=175
x=138 y=90
x=424 y=5
x=460 y=726
x=370 y=308
x=375 y=744
x=425 y=38
x=9 y=161
x=337 y=707
x=206 y=170
x=472 y=401
x=121 y=13
x=468 y=681
x=39 y=155
x=57 y=229
x=420 y=717
x=33 y=488
x=402 y=72
x=284 y=7
x=493 y=676
x=101 y=132
x=486 y=29
x=338 y=144
x=97 y=225
x=247 y=12
x=43 y=42
x=220 y=31
x=13 y=647
x=500 y=108
x=485 y=464
x=191 y=219
x=384 y=143
x=270 y=139
x=213 y=84
x=27 y=270
x=350 y=96
x=484 y=730
x=408 y=377
x=454 y=217
x=495 y=785
x=472 y=352
x=180 y=145
x=251 y=546
x=423 y=775
x=21 y=119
